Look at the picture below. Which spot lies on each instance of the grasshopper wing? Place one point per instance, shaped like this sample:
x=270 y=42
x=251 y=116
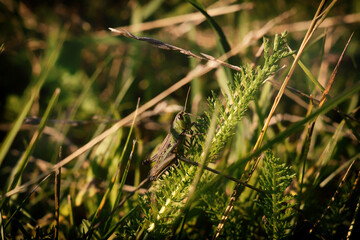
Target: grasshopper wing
x=161 y=166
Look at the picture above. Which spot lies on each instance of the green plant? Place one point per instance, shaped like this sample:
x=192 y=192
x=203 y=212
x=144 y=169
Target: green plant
x=178 y=194
x=103 y=191
x=276 y=204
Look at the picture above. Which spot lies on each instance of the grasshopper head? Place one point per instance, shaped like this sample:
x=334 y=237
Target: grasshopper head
x=181 y=123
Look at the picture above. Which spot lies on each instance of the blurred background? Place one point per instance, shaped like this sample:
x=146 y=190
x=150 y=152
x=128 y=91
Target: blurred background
x=101 y=76
x=75 y=36
x=67 y=45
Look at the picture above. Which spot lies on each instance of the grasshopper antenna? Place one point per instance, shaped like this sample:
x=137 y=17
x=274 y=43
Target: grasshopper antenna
x=187 y=97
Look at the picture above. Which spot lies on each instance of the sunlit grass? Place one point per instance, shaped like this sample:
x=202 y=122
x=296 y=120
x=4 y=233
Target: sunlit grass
x=102 y=77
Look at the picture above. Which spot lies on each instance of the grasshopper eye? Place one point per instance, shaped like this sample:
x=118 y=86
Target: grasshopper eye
x=180 y=116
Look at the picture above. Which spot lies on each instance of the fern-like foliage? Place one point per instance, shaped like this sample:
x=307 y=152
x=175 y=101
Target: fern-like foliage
x=246 y=84
x=275 y=178
x=169 y=193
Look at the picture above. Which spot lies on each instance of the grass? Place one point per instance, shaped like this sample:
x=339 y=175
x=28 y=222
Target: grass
x=286 y=125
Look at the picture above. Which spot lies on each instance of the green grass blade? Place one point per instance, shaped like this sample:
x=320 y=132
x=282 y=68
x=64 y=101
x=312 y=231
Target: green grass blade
x=128 y=163
x=150 y=8
x=221 y=38
x=18 y=170
x=50 y=61
x=302 y=157
x=115 y=226
x=338 y=171
x=328 y=152
x=192 y=190
x=219 y=32
x=325 y=156
x=329 y=105
x=24 y=201
x=15 y=128
x=80 y=100
x=112 y=111
x=306 y=70
x=113 y=181
x=21 y=164
x=311 y=76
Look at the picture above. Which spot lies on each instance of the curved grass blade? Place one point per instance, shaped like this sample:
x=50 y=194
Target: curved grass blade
x=251 y=165
x=25 y=199
x=196 y=180
x=221 y=38
x=338 y=170
x=331 y=104
x=50 y=61
x=197 y=72
x=21 y=164
x=113 y=180
x=332 y=198
x=115 y=226
x=304 y=151
x=327 y=153
x=17 y=124
x=223 y=42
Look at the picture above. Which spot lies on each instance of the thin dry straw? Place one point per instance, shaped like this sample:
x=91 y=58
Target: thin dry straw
x=57 y=196
x=202 y=56
x=191 y=17
x=333 y=197
x=352 y=224
x=166 y=46
x=318 y=18
x=328 y=23
x=323 y=98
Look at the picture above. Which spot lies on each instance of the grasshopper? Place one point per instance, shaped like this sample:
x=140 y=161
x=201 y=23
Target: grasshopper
x=171 y=145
